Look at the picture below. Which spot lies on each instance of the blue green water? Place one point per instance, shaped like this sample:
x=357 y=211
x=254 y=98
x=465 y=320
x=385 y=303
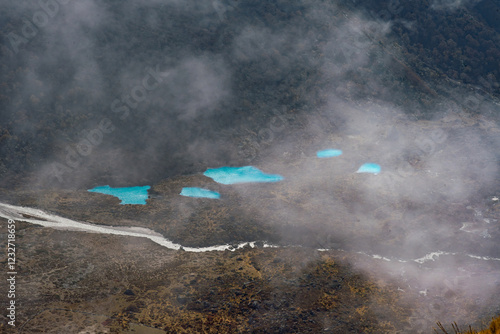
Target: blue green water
x=127 y=195
x=369 y=168
x=232 y=175
x=224 y=175
x=328 y=153
x=199 y=192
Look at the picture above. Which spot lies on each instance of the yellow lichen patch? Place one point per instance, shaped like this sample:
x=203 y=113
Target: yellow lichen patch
x=359 y=290
x=327 y=301
x=361 y=310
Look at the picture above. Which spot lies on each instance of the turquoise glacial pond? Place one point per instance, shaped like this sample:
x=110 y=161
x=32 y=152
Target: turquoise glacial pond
x=199 y=192
x=246 y=174
x=128 y=195
x=328 y=153
x=369 y=168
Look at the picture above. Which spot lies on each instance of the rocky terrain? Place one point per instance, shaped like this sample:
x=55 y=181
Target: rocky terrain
x=154 y=93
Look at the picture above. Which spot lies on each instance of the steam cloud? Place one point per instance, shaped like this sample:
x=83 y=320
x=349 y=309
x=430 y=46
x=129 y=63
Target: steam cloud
x=224 y=82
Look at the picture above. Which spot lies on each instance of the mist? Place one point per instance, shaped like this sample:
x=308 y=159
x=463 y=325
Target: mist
x=104 y=103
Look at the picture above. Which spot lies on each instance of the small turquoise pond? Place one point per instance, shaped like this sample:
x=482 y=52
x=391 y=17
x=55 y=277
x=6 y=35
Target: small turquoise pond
x=199 y=192
x=328 y=153
x=232 y=175
x=128 y=195
x=369 y=168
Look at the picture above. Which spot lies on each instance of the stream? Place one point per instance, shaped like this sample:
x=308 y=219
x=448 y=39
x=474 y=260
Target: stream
x=39 y=217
